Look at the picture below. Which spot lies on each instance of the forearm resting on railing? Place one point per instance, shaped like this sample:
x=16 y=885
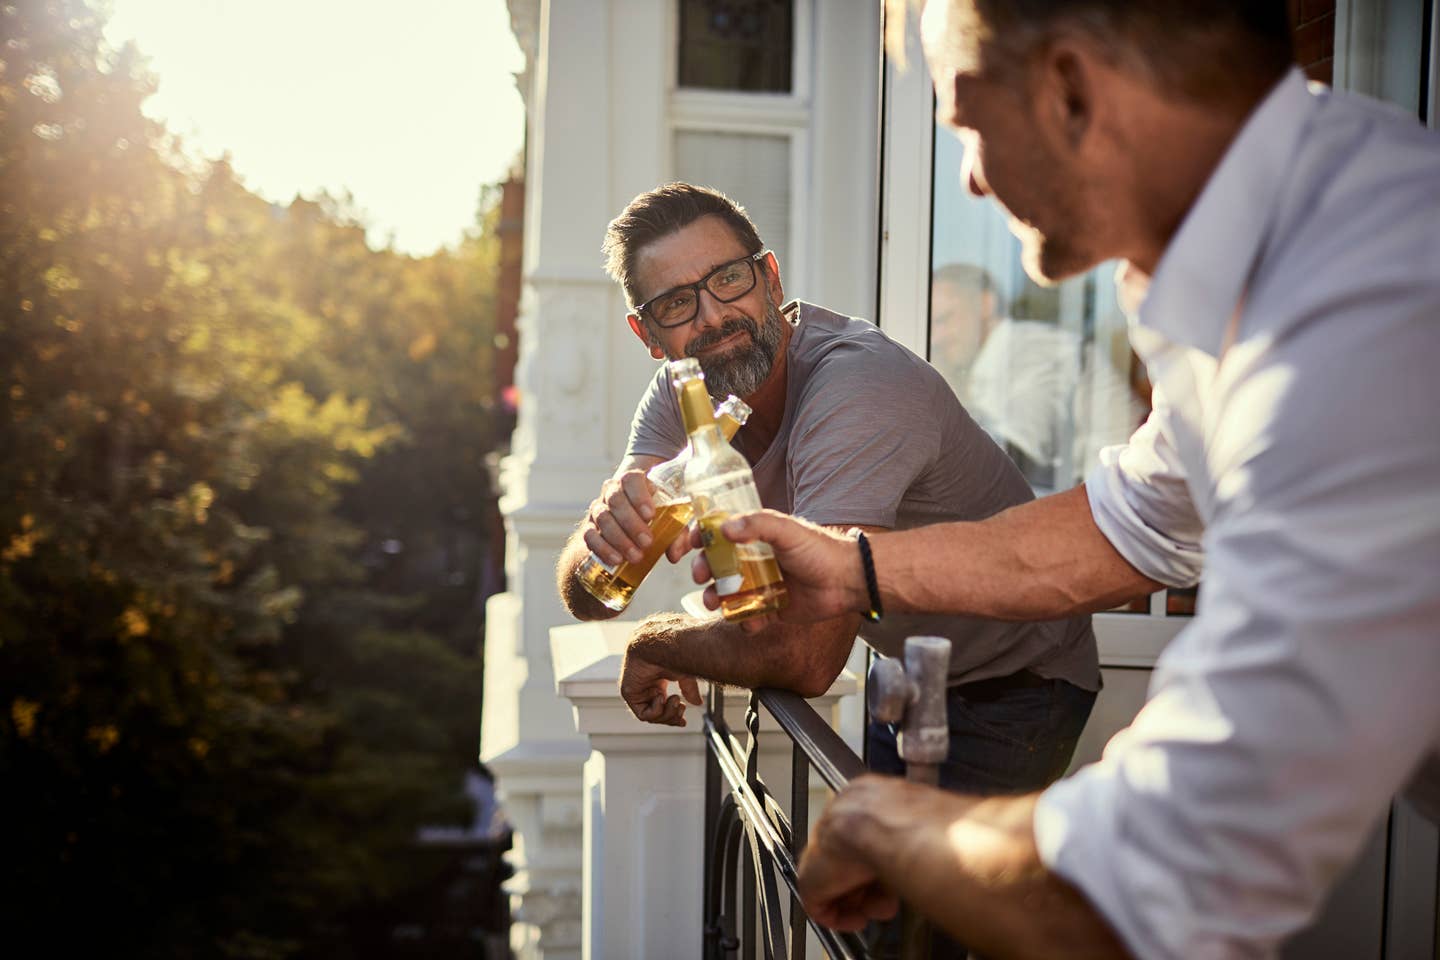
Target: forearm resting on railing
x=968 y=865
x=803 y=658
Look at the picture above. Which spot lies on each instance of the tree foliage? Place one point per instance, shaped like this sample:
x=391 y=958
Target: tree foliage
x=243 y=520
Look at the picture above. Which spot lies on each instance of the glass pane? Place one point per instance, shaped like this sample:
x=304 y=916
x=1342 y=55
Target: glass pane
x=736 y=44
x=752 y=169
x=1047 y=372
x=1380 y=48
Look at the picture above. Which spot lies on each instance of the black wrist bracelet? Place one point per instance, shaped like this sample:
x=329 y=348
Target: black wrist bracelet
x=875 y=612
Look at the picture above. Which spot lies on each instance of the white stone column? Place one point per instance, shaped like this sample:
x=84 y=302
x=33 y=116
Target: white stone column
x=644 y=801
x=597 y=84
x=595 y=136
x=643 y=807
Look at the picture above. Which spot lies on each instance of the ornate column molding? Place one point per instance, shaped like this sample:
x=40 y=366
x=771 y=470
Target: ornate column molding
x=562 y=373
x=644 y=801
x=558 y=457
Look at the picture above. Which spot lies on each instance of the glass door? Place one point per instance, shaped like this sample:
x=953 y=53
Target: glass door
x=1047 y=372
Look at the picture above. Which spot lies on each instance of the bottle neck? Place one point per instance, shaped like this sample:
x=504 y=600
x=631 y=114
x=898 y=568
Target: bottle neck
x=667 y=475
x=695 y=406
x=729 y=426
x=707 y=437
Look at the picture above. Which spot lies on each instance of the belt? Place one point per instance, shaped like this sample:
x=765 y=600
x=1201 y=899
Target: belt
x=992 y=688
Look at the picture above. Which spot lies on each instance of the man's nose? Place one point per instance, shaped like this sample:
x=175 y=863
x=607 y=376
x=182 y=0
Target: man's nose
x=709 y=311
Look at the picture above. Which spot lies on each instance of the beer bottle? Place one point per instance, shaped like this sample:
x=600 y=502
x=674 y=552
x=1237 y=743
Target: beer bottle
x=720 y=483
x=615 y=586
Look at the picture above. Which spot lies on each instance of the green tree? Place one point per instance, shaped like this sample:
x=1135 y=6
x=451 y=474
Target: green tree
x=225 y=707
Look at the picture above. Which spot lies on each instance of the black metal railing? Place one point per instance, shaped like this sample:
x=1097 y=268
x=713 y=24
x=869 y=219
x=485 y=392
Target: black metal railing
x=751 y=847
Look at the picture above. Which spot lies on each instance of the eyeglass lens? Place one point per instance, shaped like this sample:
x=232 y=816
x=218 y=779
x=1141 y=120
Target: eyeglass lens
x=730 y=282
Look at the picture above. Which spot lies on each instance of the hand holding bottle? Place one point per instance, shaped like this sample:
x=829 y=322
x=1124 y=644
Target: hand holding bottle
x=822 y=568
x=719 y=483
x=619 y=521
x=640 y=515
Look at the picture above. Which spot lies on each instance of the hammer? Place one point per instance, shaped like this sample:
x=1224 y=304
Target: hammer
x=913 y=696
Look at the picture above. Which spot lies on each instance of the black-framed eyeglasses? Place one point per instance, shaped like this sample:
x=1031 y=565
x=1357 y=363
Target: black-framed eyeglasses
x=726 y=283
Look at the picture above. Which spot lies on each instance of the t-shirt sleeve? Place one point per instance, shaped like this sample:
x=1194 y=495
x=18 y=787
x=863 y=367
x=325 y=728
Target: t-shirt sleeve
x=865 y=428
x=656 y=429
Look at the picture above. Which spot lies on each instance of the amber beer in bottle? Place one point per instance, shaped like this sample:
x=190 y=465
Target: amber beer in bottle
x=615 y=586
x=720 y=483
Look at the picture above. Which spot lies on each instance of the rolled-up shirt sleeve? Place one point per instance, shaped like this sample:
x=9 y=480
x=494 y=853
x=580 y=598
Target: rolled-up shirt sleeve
x=1302 y=698
x=1139 y=500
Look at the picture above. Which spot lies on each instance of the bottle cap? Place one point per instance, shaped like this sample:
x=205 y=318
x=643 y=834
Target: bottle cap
x=686 y=368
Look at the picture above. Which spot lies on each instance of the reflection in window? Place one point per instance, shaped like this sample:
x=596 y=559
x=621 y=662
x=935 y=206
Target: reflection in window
x=736 y=44
x=1047 y=372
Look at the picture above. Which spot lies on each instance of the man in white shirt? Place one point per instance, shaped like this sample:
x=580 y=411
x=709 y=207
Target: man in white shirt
x=1282 y=249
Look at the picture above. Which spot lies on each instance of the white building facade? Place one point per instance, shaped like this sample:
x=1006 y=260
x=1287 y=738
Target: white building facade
x=792 y=137
x=623 y=95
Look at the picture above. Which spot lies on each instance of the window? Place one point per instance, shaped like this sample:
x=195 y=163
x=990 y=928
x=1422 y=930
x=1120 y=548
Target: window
x=740 y=115
x=743 y=45
x=1384 y=48
x=1047 y=372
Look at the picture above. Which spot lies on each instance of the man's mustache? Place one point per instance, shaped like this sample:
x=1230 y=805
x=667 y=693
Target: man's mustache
x=727 y=329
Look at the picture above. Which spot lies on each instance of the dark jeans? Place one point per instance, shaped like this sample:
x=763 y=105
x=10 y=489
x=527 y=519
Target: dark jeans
x=1009 y=735
x=1006 y=735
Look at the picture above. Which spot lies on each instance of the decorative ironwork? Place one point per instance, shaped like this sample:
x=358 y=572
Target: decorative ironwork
x=749 y=825
x=751 y=844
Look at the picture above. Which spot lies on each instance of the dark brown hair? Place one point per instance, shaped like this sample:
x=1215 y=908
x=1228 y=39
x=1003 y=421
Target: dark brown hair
x=659 y=213
x=1195 y=49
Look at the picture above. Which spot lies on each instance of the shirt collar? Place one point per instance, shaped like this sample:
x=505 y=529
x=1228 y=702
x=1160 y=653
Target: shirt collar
x=1203 y=272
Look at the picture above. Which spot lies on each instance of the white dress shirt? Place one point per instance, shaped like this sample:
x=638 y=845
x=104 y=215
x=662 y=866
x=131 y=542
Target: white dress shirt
x=1293 y=457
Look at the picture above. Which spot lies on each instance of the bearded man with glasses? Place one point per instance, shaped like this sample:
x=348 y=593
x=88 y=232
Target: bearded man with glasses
x=848 y=429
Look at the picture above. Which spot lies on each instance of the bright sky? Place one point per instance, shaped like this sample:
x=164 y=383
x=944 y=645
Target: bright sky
x=410 y=106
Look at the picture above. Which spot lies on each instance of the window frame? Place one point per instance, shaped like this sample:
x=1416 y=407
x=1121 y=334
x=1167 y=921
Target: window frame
x=786 y=115
x=1368 y=46
x=1126 y=639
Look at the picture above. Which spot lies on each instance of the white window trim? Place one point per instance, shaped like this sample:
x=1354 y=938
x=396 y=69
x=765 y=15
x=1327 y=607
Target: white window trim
x=1362 y=47
x=766 y=114
x=905 y=200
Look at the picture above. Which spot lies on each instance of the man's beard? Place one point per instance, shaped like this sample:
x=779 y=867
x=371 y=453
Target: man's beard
x=742 y=370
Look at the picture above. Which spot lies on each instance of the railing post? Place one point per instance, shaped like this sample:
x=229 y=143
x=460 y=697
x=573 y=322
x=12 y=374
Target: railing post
x=643 y=808
x=799 y=827
x=712 y=931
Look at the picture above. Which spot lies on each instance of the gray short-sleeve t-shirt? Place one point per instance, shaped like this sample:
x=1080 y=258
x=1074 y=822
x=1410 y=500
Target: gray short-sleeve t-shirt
x=873 y=435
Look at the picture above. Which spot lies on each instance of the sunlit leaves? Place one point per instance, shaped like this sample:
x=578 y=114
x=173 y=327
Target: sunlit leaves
x=218 y=695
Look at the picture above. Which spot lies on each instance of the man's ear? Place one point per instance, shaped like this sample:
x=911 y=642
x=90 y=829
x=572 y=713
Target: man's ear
x=637 y=326
x=1068 y=90
x=771 y=265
